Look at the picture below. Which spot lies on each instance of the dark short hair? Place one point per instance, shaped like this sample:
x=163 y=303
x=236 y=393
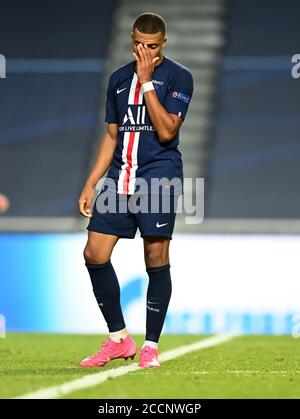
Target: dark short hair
x=150 y=23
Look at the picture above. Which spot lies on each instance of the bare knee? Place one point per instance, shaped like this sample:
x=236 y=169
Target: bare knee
x=99 y=247
x=156 y=255
x=94 y=255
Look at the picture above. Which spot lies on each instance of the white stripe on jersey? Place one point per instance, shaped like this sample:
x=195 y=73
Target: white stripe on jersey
x=125 y=163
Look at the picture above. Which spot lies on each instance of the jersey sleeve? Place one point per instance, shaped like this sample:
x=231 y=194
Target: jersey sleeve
x=111 y=114
x=180 y=91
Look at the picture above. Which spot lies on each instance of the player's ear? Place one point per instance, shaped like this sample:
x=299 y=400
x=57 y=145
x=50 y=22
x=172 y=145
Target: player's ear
x=165 y=42
x=131 y=35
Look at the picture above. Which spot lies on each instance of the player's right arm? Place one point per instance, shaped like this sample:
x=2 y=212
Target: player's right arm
x=102 y=164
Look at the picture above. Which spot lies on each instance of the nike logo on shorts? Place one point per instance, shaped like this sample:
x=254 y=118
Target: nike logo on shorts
x=160 y=225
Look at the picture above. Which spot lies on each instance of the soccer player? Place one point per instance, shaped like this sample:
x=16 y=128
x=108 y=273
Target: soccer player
x=147 y=101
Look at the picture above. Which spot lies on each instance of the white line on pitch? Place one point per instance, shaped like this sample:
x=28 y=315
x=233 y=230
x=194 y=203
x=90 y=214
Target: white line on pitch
x=241 y=372
x=91 y=380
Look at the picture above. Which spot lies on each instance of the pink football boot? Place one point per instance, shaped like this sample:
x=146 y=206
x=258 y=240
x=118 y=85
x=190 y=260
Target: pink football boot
x=111 y=350
x=149 y=357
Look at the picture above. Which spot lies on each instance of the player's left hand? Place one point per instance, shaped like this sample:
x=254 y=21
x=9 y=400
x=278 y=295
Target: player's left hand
x=144 y=64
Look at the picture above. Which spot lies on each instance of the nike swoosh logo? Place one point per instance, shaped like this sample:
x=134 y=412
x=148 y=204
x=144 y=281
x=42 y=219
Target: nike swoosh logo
x=121 y=90
x=152 y=302
x=160 y=225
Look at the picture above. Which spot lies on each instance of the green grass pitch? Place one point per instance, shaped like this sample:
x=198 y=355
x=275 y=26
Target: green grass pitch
x=245 y=367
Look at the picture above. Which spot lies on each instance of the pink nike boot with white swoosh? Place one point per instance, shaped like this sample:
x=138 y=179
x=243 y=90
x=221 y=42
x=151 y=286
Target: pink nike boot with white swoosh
x=111 y=350
x=149 y=357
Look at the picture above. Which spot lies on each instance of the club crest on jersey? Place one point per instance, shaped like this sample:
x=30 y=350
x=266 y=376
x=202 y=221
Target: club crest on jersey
x=181 y=96
x=136 y=118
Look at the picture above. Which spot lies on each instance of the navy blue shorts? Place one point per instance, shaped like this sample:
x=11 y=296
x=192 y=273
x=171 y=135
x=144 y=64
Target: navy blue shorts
x=124 y=219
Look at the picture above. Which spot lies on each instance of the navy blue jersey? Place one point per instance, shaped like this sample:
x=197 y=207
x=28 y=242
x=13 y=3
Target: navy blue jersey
x=139 y=153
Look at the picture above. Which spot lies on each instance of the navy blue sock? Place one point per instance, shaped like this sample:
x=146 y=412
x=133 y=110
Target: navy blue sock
x=107 y=292
x=158 y=297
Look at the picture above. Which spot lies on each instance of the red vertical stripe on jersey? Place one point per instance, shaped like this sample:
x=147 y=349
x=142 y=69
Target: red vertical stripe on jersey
x=137 y=93
x=129 y=162
x=130 y=143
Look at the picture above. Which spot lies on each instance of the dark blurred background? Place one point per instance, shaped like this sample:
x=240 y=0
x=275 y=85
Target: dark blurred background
x=56 y=54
